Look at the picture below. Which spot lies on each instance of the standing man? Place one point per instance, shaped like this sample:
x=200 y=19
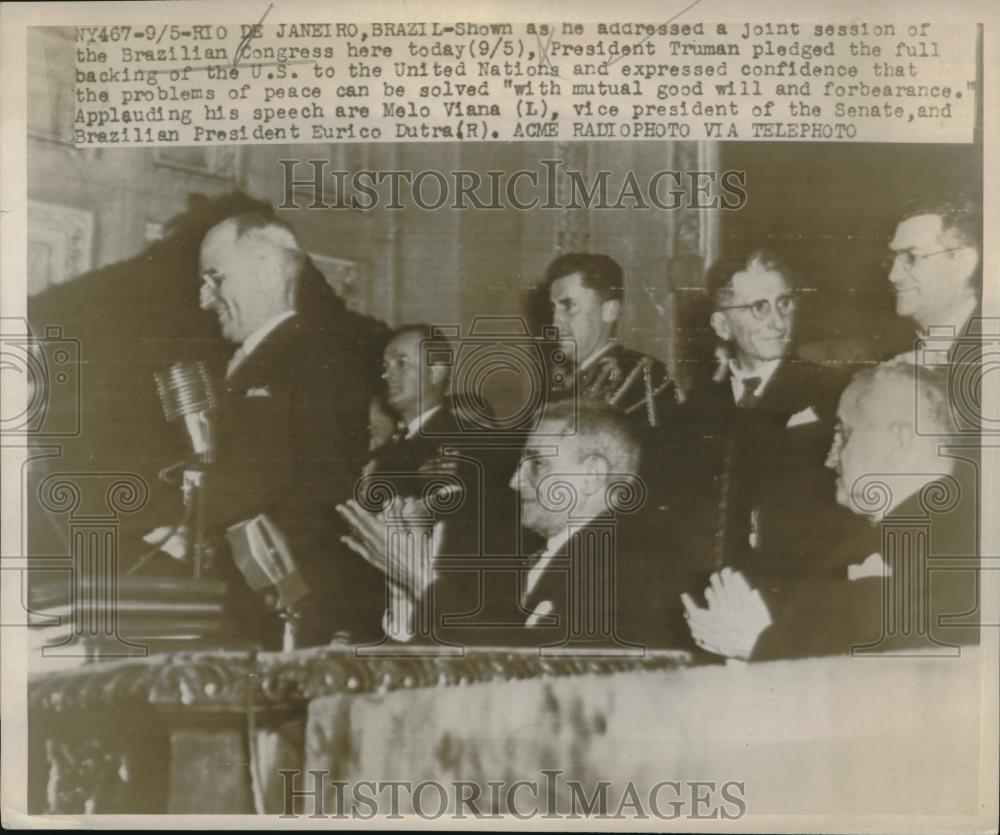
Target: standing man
x=756 y=436
x=935 y=269
x=429 y=444
x=292 y=424
x=587 y=292
x=935 y=266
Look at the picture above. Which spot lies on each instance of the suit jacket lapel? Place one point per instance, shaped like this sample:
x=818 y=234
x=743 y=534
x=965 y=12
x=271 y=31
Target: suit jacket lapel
x=267 y=364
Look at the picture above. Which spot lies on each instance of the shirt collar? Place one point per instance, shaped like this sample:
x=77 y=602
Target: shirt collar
x=553 y=545
x=597 y=354
x=263 y=331
x=417 y=423
x=765 y=371
x=956 y=319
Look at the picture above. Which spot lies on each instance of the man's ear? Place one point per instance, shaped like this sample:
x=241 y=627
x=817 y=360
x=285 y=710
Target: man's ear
x=966 y=260
x=596 y=469
x=439 y=374
x=611 y=310
x=902 y=436
x=720 y=324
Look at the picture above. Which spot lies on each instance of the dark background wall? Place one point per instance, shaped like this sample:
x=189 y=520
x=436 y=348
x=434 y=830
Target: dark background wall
x=833 y=208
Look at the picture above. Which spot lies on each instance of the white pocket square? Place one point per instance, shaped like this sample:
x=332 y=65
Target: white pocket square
x=873 y=566
x=807 y=415
x=262 y=391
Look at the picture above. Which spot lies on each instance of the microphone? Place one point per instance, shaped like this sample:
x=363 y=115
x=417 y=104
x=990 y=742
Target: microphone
x=187 y=391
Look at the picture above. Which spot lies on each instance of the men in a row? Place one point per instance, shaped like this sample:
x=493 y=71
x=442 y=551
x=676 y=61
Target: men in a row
x=917 y=590
x=594 y=585
x=587 y=293
x=754 y=441
x=892 y=420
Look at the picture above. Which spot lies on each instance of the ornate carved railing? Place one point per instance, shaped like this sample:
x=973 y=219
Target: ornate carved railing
x=101 y=735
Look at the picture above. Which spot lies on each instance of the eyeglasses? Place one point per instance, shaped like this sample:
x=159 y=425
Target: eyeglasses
x=761 y=309
x=909 y=258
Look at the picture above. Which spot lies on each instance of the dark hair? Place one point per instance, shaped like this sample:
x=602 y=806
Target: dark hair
x=719 y=277
x=959 y=214
x=601 y=273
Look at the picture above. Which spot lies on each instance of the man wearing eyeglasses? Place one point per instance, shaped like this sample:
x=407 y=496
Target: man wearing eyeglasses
x=933 y=266
x=751 y=461
x=292 y=424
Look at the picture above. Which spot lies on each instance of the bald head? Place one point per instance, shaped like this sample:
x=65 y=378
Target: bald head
x=891 y=420
x=250 y=266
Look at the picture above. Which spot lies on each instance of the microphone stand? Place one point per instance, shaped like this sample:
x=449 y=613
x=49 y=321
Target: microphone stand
x=187 y=392
x=193 y=493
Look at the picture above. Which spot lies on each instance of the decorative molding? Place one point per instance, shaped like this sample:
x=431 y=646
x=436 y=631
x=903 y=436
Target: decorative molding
x=224 y=162
x=232 y=681
x=572 y=225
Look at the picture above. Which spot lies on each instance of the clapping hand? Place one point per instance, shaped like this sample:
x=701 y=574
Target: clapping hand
x=734 y=619
x=408 y=559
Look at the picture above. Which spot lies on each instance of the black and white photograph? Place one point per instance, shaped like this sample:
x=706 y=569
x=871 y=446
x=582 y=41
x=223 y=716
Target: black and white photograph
x=430 y=418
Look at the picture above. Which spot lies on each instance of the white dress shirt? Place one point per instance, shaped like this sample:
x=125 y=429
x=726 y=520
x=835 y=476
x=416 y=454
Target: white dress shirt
x=936 y=343
x=252 y=341
x=415 y=425
x=553 y=546
x=598 y=353
x=765 y=371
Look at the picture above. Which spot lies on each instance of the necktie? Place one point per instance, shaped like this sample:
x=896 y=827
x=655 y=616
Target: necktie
x=749 y=397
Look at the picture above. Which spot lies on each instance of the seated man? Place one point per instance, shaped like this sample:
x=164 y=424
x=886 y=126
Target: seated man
x=587 y=292
x=913 y=587
x=592 y=586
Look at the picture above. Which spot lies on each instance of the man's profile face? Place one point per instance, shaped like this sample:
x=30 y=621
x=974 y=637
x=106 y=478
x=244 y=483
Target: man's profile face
x=583 y=319
x=928 y=273
x=230 y=287
x=757 y=339
x=547 y=469
x=860 y=447
x=401 y=372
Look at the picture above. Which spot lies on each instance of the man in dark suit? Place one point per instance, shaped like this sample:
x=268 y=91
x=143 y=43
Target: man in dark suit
x=934 y=267
x=747 y=470
x=292 y=424
x=587 y=293
x=911 y=584
x=591 y=587
x=430 y=447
